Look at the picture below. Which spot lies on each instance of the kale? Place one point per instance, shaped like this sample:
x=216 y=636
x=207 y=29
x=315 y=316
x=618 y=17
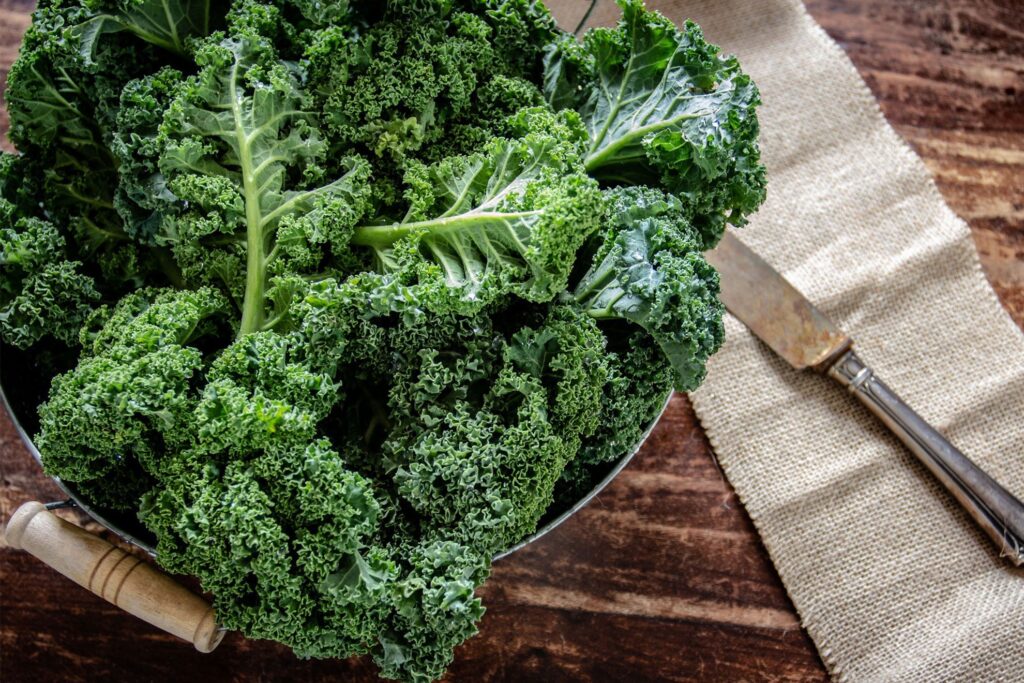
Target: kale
x=358 y=291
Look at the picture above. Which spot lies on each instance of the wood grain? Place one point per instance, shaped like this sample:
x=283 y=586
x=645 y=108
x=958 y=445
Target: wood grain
x=14 y=19
x=662 y=577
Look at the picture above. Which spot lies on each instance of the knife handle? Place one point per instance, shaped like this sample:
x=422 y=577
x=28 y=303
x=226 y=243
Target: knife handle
x=999 y=514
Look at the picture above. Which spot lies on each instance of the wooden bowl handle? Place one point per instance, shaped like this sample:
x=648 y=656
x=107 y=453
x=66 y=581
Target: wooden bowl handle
x=118 y=577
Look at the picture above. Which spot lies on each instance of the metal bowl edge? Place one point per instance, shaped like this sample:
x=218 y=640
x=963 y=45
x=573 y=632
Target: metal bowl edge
x=600 y=486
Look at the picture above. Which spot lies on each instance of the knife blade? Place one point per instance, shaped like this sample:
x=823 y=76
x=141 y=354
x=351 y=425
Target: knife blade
x=773 y=309
x=780 y=316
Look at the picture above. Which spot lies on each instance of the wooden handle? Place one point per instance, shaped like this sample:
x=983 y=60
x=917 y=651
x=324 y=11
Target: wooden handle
x=122 y=579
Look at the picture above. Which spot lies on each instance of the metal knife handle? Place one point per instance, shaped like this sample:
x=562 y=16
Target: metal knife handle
x=996 y=510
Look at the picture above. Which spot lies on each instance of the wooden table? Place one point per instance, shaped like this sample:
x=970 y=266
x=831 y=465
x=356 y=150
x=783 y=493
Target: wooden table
x=663 y=576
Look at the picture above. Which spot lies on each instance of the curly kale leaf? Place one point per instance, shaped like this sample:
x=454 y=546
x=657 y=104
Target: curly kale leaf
x=568 y=71
x=64 y=115
x=259 y=394
x=568 y=354
x=242 y=154
x=424 y=81
x=131 y=396
x=521 y=31
x=649 y=270
x=282 y=538
x=51 y=94
x=142 y=197
x=482 y=428
x=62 y=112
x=662 y=105
x=639 y=379
x=507 y=220
x=42 y=292
x=396 y=86
x=436 y=609
x=168 y=24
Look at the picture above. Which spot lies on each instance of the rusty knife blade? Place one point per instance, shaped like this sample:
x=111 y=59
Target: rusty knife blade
x=773 y=309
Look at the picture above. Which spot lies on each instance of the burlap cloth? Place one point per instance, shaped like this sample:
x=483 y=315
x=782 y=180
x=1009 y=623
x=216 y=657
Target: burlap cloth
x=891 y=580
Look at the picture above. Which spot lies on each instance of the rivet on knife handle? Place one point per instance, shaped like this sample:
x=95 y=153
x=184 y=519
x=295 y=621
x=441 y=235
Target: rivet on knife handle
x=997 y=512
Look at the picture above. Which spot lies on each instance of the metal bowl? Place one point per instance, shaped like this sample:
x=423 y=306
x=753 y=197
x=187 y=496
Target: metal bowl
x=132 y=531
x=619 y=465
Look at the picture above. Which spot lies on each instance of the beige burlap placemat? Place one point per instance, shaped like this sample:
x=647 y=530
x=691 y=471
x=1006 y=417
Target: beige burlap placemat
x=891 y=580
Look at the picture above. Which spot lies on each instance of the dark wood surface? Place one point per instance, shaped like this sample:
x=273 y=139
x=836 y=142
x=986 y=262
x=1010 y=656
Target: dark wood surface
x=663 y=576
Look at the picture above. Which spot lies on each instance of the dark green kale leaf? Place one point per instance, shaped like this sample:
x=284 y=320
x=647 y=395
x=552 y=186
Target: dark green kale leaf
x=168 y=24
x=142 y=197
x=662 y=105
x=282 y=538
x=424 y=81
x=131 y=397
x=63 y=110
x=638 y=382
x=481 y=428
x=649 y=270
x=436 y=610
x=242 y=155
x=42 y=292
x=507 y=220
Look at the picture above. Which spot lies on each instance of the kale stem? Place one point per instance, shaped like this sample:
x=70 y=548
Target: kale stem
x=253 y=304
x=595 y=160
x=386 y=235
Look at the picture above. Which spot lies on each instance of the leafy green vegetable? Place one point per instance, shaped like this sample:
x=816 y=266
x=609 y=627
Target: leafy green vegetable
x=354 y=294
x=283 y=539
x=64 y=106
x=235 y=133
x=662 y=105
x=42 y=292
x=509 y=219
x=649 y=270
x=483 y=469
x=130 y=396
x=633 y=394
x=165 y=23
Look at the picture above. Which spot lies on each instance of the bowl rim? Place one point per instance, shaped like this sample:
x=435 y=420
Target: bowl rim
x=78 y=502
x=620 y=465
x=552 y=524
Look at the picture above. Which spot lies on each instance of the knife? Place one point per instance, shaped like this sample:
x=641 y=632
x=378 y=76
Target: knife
x=793 y=328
